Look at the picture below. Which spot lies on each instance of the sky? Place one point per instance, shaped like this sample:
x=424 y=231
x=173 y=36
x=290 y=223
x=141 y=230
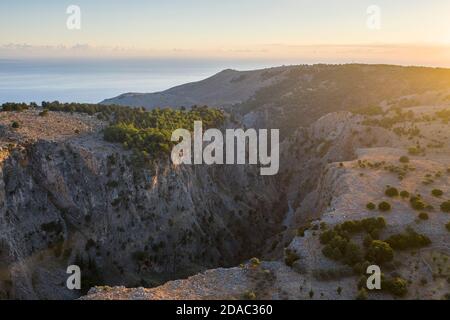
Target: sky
x=411 y=31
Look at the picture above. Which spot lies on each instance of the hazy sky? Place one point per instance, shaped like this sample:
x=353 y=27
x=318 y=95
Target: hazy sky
x=228 y=28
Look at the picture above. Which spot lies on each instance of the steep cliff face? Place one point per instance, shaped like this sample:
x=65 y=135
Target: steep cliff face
x=306 y=179
x=83 y=201
x=320 y=148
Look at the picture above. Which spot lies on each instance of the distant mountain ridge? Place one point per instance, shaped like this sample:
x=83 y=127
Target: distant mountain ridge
x=225 y=88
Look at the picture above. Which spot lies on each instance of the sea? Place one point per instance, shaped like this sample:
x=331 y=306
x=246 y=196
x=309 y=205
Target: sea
x=93 y=80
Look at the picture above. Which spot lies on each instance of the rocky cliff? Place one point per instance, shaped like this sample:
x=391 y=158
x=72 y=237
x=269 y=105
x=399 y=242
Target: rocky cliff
x=78 y=200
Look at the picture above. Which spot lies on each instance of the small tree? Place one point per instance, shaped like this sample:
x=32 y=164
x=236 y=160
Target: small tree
x=290 y=257
x=404 y=194
x=423 y=216
x=391 y=192
x=371 y=206
x=255 y=262
x=380 y=252
x=44 y=113
x=249 y=295
x=384 y=206
x=353 y=254
x=404 y=159
x=362 y=294
x=417 y=203
x=397 y=286
x=445 y=206
x=367 y=241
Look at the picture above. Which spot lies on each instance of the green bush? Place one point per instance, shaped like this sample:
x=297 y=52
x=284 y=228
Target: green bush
x=369 y=111
x=148 y=134
x=437 y=193
x=368 y=225
x=360 y=267
x=19 y=107
x=423 y=216
x=249 y=295
x=290 y=257
x=404 y=159
x=396 y=286
x=384 y=206
x=445 y=206
x=371 y=206
x=379 y=252
x=415 y=151
x=408 y=240
x=344 y=250
x=391 y=192
x=367 y=240
x=339 y=247
x=404 y=194
x=327 y=236
x=375 y=234
x=352 y=254
x=15 y=125
x=255 y=262
x=417 y=203
x=44 y=113
x=362 y=294
x=331 y=252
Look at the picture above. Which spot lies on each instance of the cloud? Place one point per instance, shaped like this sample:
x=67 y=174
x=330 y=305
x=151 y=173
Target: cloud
x=405 y=54
x=24 y=50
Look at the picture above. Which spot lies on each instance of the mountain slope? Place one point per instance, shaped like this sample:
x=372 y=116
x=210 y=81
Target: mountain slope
x=223 y=89
x=286 y=97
